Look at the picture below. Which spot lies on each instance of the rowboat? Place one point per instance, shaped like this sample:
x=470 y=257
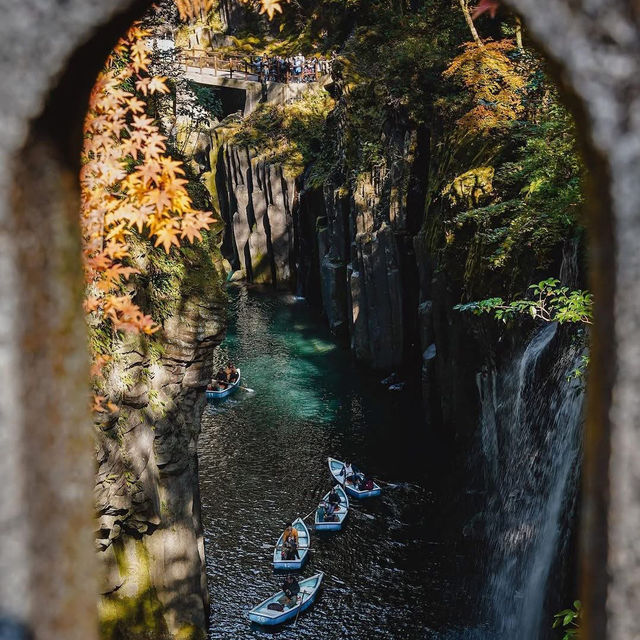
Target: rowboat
x=303 y=548
x=223 y=393
x=340 y=512
x=337 y=471
x=308 y=592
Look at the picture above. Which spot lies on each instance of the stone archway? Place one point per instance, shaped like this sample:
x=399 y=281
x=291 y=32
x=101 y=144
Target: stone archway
x=595 y=46
x=51 y=53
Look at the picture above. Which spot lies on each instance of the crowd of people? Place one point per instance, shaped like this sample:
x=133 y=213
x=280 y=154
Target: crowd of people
x=292 y=69
x=225 y=377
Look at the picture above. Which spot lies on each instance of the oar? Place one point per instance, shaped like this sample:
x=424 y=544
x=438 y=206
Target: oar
x=363 y=514
x=247 y=389
x=389 y=484
x=309 y=514
x=295 y=622
x=281 y=546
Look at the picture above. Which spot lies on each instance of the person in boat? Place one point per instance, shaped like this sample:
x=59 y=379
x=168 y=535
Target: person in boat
x=290 y=543
x=330 y=512
x=222 y=379
x=290 y=550
x=334 y=498
x=230 y=371
x=351 y=473
x=365 y=484
x=290 y=589
x=326 y=512
x=290 y=532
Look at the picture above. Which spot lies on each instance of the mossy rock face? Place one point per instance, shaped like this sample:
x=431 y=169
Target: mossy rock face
x=261 y=269
x=190 y=632
x=138 y=616
x=133 y=618
x=471 y=186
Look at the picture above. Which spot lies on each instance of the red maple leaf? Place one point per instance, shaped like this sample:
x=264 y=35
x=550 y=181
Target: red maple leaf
x=483 y=6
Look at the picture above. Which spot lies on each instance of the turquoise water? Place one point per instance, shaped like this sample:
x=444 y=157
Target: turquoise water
x=400 y=568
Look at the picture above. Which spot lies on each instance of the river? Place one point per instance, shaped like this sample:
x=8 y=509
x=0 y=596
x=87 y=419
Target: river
x=401 y=567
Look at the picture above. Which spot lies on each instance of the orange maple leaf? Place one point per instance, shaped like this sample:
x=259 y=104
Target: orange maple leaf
x=167 y=236
x=158 y=85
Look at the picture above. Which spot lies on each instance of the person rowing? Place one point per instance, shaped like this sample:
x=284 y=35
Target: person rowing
x=290 y=543
x=334 y=498
x=291 y=589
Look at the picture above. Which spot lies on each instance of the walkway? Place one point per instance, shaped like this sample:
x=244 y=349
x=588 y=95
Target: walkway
x=236 y=73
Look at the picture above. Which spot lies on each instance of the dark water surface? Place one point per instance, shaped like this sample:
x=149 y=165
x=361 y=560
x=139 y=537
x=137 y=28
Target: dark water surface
x=400 y=568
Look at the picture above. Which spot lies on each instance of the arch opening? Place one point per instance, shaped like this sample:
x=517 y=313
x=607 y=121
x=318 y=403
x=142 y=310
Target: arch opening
x=63 y=346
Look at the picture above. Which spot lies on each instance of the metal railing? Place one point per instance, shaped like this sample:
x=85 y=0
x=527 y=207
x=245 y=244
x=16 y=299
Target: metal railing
x=241 y=68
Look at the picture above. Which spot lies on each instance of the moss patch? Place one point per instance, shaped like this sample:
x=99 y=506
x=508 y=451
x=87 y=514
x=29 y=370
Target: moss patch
x=137 y=617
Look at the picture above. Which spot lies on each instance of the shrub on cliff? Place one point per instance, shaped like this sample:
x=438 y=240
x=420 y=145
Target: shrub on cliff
x=289 y=135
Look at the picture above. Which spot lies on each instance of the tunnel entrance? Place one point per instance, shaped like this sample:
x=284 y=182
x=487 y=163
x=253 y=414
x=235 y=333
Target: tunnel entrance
x=232 y=100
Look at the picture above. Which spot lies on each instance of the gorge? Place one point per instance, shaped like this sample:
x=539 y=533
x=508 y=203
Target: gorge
x=384 y=229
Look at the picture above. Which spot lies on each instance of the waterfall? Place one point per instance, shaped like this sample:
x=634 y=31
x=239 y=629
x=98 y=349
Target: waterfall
x=530 y=440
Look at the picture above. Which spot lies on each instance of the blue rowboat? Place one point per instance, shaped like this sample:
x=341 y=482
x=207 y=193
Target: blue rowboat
x=308 y=592
x=218 y=395
x=340 y=512
x=303 y=548
x=337 y=471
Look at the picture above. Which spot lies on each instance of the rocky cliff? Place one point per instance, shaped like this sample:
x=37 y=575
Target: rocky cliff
x=348 y=246
x=149 y=536
x=385 y=250
x=257 y=202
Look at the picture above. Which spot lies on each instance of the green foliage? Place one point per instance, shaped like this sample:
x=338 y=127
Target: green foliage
x=391 y=74
x=168 y=279
x=534 y=205
x=397 y=58
x=304 y=26
x=290 y=135
x=568 y=621
x=548 y=301
x=580 y=370
x=207 y=101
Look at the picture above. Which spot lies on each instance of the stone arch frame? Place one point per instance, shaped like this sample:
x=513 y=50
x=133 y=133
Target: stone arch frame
x=52 y=50
x=594 y=46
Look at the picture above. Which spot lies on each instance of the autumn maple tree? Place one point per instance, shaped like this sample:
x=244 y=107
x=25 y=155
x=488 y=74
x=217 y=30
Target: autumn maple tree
x=128 y=184
x=492 y=79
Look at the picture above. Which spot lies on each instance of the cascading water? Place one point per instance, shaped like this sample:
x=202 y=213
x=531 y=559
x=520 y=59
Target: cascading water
x=530 y=439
